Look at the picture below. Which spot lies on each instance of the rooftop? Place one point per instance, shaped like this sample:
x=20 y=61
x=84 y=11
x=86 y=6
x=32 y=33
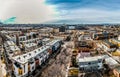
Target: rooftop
x=30 y=45
x=10 y=43
x=30 y=40
x=46 y=39
x=25 y=57
x=110 y=61
x=88 y=59
x=83 y=54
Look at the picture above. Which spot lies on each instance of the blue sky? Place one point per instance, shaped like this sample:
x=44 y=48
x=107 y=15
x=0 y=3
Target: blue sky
x=72 y=4
x=87 y=11
x=61 y=11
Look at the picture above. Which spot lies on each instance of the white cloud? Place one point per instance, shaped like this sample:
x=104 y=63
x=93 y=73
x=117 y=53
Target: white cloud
x=27 y=11
x=87 y=15
x=36 y=11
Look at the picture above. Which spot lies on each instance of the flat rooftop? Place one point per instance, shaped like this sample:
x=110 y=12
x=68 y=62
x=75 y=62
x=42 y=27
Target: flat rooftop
x=111 y=62
x=88 y=59
x=30 y=45
x=25 y=57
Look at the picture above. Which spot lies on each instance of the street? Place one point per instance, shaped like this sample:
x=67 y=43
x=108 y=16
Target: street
x=59 y=66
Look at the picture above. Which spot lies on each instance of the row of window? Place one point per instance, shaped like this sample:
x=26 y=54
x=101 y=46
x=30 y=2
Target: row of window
x=89 y=68
x=89 y=63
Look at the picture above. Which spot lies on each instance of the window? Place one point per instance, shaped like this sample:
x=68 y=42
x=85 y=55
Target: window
x=24 y=68
x=20 y=39
x=31 y=61
x=18 y=57
x=23 y=39
x=89 y=63
x=24 y=56
x=29 y=54
x=40 y=56
x=33 y=68
x=11 y=52
x=20 y=71
x=99 y=61
x=17 y=65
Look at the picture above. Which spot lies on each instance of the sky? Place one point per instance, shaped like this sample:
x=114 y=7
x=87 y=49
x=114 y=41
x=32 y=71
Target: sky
x=61 y=11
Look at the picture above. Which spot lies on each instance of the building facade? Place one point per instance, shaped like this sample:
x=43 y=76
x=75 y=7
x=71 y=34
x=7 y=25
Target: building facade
x=89 y=64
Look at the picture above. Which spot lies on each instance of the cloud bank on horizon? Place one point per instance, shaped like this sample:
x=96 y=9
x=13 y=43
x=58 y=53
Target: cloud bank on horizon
x=61 y=11
x=27 y=11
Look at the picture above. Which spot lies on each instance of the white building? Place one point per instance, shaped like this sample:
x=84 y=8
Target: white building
x=11 y=48
x=111 y=62
x=31 y=37
x=27 y=63
x=11 y=38
x=89 y=64
x=45 y=41
x=119 y=37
